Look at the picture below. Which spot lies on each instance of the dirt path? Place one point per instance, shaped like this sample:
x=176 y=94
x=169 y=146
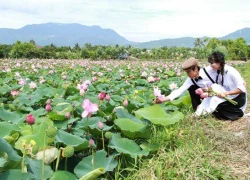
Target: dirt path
x=237 y=147
x=232 y=138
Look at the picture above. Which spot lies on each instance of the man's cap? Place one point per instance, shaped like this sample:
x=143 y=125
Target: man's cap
x=189 y=64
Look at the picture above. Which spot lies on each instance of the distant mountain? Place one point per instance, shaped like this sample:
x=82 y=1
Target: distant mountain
x=189 y=41
x=70 y=34
x=179 y=42
x=62 y=35
x=244 y=33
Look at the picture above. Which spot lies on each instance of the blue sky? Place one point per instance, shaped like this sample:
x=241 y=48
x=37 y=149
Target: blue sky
x=136 y=20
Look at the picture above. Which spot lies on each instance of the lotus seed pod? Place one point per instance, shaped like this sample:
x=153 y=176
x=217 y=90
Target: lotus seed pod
x=68 y=151
x=108 y=135
x=35 y=149
x=51 y=132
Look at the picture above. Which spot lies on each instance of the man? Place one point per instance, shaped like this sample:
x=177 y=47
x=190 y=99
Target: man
x=197 y=78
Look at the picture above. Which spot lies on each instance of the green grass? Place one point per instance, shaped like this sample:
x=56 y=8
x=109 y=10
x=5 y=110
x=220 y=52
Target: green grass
x=195 y=148
x=186 y=154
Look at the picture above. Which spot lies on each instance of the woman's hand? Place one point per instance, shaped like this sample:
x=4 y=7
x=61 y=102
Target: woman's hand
x=222 y=94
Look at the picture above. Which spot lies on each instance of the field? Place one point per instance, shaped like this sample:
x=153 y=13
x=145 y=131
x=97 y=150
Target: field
x=82 y=119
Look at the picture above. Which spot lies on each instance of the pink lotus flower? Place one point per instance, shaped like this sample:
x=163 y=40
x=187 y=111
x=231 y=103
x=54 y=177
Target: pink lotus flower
x=32 y=85
x=89 y=108
x=21 y=82
x=157 y=92
x=101 y=96
x=173 y=86
x=144 y=74
x=199 y=91
x=14 y=92
x=151 y=79
x=30 y=119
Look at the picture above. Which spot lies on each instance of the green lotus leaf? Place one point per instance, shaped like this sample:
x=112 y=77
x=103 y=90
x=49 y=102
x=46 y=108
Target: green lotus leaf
x=14 y=174
x=186 y=100
x=10 y=116
x=6 y=147
x=58 y=112
x=150 y=147
x=27 y=99
x=100 y=161
x=64 y=175
x=73 y=140
x=126 y=146
x=141 y=82
x=37 y=136
x=7 y=128
x=117 y=98
x=133 y=129
x=93 y=174
x=163 y=83
x=64 y=124
x=2 y=162
x=12 y=138
x=71 y=90
x=4 y=89
x=35 y=167
x=170 y=73
x=157 y=115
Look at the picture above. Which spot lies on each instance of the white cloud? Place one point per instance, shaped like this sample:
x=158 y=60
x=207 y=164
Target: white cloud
x=136 y=20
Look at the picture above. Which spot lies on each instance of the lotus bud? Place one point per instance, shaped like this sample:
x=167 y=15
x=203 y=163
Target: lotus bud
x=94 y=78
x=48 y=101
x=198 y=91
x=101 y=96
x=48 y=108
x=107 y=97
x=30 y=119
x=91 y=143
x=125 y=102
x=100 y=125
x=67 y=115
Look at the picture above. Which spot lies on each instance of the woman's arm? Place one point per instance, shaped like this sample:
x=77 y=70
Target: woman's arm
x=226 y=93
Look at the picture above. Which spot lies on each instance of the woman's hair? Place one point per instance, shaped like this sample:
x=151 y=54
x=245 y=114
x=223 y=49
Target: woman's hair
x=217 y=57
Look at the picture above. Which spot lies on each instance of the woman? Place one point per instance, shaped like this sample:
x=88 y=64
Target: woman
x=231 y=85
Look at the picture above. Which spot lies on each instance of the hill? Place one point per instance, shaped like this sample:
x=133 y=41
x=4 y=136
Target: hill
x=70 y=34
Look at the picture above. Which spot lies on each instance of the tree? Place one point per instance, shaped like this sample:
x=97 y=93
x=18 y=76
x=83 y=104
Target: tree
x=5 y=50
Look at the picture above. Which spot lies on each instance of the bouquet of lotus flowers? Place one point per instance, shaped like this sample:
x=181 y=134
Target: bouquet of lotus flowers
x=209 y=91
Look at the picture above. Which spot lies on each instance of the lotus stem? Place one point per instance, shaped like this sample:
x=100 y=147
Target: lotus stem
x=44 y=142
x=58 y=159
x=65 y=164
x=32 y=129
x=93 y=160
x=23 y=164
x=103 y=141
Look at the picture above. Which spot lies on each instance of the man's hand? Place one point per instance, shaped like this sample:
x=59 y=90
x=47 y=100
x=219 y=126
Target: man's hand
x=160 y=100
